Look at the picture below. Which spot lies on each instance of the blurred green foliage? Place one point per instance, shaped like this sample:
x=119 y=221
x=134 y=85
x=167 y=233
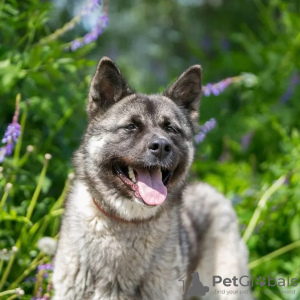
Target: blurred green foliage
x=257 y=139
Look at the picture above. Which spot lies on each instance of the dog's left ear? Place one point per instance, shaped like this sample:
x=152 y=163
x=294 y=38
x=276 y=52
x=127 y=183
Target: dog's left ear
x=186 y=91
x=107 y=88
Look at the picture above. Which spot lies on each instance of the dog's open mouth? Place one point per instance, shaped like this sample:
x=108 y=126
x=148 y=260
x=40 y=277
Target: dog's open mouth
x=148 y=183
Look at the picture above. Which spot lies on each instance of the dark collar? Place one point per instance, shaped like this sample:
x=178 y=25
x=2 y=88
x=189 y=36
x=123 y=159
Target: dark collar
x=115 y=218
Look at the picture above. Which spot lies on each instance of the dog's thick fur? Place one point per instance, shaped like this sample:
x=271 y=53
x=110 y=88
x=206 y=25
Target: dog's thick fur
x=115 y=242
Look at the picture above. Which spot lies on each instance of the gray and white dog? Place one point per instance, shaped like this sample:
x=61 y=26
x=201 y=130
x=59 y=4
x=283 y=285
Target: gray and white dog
x=132 y=227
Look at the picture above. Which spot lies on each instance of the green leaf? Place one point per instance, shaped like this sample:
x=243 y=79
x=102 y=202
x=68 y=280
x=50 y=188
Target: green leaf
x=295 y=228
x=4 y=216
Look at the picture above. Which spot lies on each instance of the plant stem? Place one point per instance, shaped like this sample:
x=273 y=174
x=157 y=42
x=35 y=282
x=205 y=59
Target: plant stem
x=58 y=204
x=68 y=26
x=7 y=293
x=7 y=271
x=56 y=208
x=273 y=254
x=12 y=297
x=31 y=267
x=28 y=216
x=19 y=143
x=23 y=159
x=37 y=191
x=3 y=199
x=55 y=211
x=261 y=204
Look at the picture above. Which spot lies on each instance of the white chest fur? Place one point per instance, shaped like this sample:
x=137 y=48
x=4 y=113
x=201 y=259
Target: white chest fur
x=120 y=260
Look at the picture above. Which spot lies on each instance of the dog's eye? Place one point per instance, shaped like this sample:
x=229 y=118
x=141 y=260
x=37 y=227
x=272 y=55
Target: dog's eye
x=130 y=127
x=169 y=128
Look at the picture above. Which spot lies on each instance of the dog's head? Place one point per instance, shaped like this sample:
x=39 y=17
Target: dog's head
x=138 y=148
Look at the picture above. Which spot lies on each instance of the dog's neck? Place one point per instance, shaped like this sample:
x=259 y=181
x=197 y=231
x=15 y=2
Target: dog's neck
x=114 y=210
x=114 y=217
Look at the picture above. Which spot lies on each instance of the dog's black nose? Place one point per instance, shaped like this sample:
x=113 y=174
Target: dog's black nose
x=160 y=147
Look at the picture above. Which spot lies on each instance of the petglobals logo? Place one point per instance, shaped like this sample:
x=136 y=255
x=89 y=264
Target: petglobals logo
x=246 y=281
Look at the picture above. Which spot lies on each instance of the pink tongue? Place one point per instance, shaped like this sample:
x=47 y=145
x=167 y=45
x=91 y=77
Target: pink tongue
x=151 y=187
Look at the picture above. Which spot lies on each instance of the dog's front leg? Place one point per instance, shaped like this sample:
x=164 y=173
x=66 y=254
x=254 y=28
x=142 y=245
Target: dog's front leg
x=71 y=279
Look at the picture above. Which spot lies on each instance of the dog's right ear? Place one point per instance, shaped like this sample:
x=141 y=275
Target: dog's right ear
x=107 y=88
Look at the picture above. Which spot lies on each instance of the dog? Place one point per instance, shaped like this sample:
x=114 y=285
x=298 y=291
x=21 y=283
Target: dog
x=132 y=225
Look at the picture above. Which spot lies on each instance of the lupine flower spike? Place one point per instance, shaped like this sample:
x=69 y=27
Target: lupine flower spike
x=102 y=22
x=90 y=8
x=43 y=276
x=12 y=133
x=247 y=79
x=216 y=89
x=294 y=81
x=246 y=140
x=204 y=129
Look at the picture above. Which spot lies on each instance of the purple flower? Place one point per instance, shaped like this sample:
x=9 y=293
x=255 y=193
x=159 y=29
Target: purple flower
x=45 y=267
x=236 y=199
x=2 y=153
x=225 y=44
x=295 y=78
x=76 y=44
x=11 y=134
x=39 y=294
x=93 y=4
x=204 y=129
x=246 y=140
x=30 y=279
x=199 y=138
x=206 y=44
x=104 y=20
x=93 y=35
x=43 y=278
x=291 y=88
x=216 y=88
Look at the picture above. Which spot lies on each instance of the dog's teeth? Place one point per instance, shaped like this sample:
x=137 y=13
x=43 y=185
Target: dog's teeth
x=131 y=174
x=159 y=169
